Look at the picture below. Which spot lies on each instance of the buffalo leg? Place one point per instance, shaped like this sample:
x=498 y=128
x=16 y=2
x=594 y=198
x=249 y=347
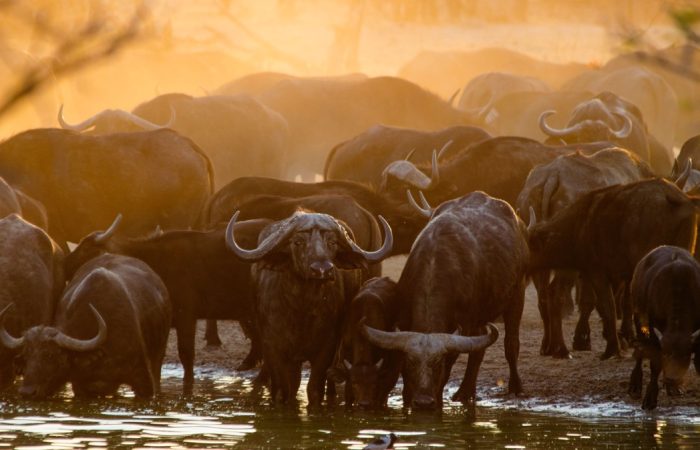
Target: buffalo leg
x=541 y=281
x=586 y=304
x=511 y=320
x=185 y=350
x=627 y=325
x=143 y=383
x=319 y=371
x=559 y=288
x=650 y=397
x=605 y=303
x=467 y=389
x=254 y=355
x=636 y=378
x=211 y=334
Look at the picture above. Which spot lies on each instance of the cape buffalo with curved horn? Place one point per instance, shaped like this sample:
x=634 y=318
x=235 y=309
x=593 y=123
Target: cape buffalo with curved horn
x=666 y=297
x=153 y=178
x=548 y=189
x=607 y=117
x=204 y=279
x=405 y=222
x=304 y=276
x=467 y=267
x=110 y=328
x=363 y=157
x=606 y=232
x=31 y=279
x=497 y=166
x=343 y=207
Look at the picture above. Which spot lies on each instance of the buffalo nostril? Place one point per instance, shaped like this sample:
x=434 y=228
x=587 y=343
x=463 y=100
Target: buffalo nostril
x=322 y=270
x=423 y=402
x=27 y=391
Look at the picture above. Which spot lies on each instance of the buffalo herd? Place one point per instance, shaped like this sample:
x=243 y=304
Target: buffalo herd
x=117 y=228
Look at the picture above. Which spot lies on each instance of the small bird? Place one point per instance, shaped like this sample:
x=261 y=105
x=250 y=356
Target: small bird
x=381 y=443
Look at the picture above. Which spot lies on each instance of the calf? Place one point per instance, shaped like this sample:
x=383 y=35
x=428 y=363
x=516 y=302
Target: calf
x=666 y=295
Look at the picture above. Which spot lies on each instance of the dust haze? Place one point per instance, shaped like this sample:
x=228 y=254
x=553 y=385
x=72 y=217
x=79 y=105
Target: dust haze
x=194 y=47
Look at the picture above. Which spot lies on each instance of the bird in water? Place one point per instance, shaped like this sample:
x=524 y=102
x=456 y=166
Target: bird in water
x=381 y=443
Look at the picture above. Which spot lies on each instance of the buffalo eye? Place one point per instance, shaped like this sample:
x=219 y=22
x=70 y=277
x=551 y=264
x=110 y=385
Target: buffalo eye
x=298 y=242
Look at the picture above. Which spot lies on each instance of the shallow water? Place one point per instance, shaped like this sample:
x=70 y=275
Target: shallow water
x=226 y=411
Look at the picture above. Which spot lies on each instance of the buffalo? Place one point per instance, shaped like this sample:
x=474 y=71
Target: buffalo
x=31 y=279
x=305 y=274
x=370 y=373
x=155 y=178
x=497 y=166
x=665 y=293
x=405 y=222
x=343 y=207
x=548 y=189
x=240 y=135
x=110 y=328
x=609 y=117
x=204 y=279
x=467 y=267
x=605 y=233
x=363 y=157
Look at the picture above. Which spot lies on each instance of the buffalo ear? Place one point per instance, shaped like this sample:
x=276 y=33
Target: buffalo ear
x=277 y=259
x=348 y=260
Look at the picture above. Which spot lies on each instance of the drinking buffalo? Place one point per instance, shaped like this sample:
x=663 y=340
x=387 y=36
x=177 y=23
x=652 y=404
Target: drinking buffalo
x=467 y=267
x=31 y=279
x=111 y=327
x=370 y=372
x=666 y=296
x=204 y=279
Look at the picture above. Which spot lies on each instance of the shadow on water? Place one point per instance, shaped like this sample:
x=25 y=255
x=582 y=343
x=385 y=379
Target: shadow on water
x=226 y=410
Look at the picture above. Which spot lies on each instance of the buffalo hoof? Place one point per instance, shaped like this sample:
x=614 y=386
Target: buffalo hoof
x=610 y=352
x=649 y=401
x=462 y=396
x=582 y=343
x=673 y=389
x=247 y=364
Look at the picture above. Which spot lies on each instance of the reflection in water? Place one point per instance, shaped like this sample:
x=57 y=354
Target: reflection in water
x=227 y=410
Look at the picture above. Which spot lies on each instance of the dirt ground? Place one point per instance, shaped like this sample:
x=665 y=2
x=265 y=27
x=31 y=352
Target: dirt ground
x=583 y=381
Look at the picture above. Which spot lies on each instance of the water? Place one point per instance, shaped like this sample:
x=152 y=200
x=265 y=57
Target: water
x=227 y=411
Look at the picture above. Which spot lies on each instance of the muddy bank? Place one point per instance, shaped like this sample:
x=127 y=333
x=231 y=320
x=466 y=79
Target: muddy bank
x=583 y=385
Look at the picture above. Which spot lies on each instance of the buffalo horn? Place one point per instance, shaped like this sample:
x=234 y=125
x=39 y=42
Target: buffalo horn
x=425 y=210
x=452 y=98
x=464 y=344
x=84 y=345
x=683 y=177
x=84 y=125
x=533 y=219
x=405 y=171
x=389 y=340
x=444 y=148
x=549 y=131
x=695 y=335
x=261 y=250
x=7 y=340
x=658 y=333
x=376 y=255
x=347 y=364
x=103 y=236
x=409 y=154
x=143 y=123
x=626 y=129
x=379 y=363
